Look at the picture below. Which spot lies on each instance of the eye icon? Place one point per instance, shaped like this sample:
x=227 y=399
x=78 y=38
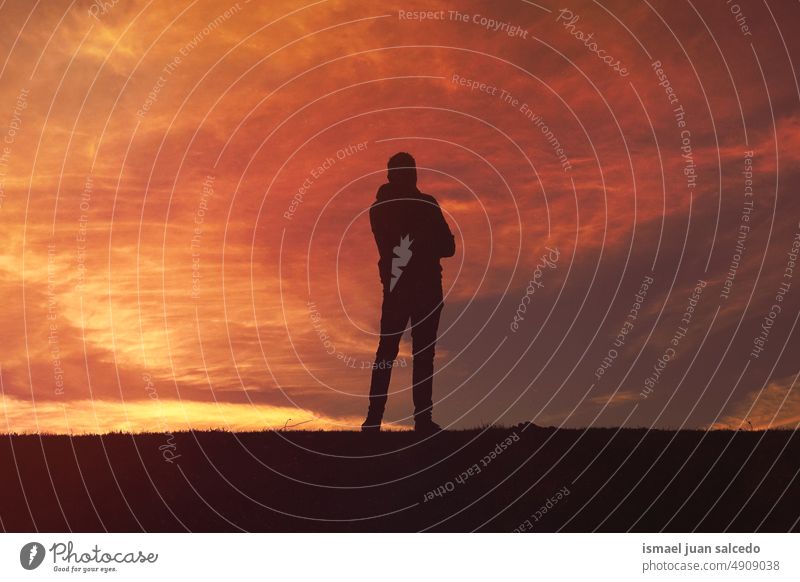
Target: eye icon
x=31 y=555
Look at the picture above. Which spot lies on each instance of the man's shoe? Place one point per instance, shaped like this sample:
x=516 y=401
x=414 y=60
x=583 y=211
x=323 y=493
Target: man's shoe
x=427 y=428
x=371 y=426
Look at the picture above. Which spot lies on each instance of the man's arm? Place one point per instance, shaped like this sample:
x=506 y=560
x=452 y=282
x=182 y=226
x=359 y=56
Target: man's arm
x=377 y=221
x=444 y=239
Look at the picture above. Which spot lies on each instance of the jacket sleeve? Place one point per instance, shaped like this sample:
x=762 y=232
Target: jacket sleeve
x=444 y=240
x=378 y=223
x=380 y=230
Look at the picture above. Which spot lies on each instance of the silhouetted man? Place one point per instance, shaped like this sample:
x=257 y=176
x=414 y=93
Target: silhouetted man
x=412 y=235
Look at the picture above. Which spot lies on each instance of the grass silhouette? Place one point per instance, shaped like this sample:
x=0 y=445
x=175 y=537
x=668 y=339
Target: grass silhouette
x=304 y=480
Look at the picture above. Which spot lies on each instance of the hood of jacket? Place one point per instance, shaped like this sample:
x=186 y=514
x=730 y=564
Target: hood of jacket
x=389 y=191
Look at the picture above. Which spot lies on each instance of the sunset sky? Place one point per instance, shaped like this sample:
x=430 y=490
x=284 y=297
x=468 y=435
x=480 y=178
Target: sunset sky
x=184 y=190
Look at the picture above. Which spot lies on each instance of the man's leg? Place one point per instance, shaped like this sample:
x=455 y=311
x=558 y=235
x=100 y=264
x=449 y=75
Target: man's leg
x=424 y=327
x=394 y=316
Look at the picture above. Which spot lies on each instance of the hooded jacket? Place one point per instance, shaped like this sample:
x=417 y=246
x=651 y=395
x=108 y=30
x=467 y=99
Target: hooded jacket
x=412 y=236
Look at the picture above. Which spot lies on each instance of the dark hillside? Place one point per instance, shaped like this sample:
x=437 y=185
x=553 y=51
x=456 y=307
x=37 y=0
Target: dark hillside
x=524 y=477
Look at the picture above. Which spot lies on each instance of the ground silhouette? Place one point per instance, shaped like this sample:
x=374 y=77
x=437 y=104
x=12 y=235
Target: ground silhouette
x=538 y=479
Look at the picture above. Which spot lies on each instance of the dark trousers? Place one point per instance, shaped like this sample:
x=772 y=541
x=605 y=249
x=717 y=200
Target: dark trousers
x=423 y=306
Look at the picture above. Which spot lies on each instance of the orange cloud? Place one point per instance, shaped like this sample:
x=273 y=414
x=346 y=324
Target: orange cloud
x=776 y=406
x=103 y=416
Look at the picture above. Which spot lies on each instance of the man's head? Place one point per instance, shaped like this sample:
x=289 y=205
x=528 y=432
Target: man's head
x=402 y=170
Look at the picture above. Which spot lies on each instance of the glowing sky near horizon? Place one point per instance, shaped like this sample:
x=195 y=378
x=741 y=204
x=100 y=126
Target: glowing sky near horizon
x=184 y=187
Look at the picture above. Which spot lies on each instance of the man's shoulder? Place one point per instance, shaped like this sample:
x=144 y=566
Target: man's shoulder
x=428 y=198
x=387 y=194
